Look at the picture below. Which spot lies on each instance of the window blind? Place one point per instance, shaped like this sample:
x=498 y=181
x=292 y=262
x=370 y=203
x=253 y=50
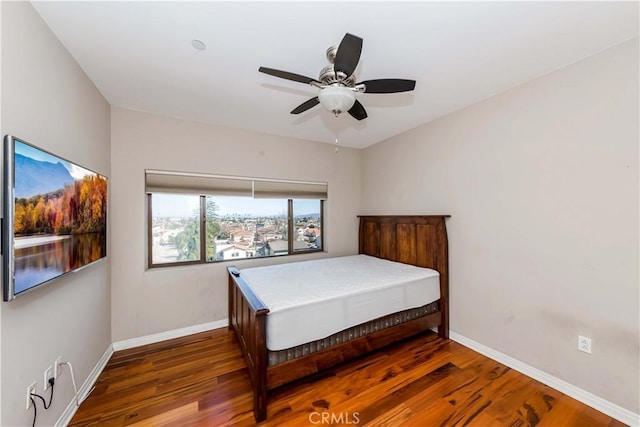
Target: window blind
x=289 y=190
x=194 y=183
x=168 y=182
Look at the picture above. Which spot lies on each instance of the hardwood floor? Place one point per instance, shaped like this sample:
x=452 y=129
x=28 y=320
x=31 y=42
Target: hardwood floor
x=201 y=380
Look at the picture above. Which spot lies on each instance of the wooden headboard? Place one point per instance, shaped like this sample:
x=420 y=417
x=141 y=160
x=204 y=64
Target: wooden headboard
x=411 y=239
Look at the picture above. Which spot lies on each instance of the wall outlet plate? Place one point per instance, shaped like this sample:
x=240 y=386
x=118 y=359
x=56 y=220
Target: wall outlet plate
x=584 y=344
x=56 y=367
x=48 y=373
x=31 y=389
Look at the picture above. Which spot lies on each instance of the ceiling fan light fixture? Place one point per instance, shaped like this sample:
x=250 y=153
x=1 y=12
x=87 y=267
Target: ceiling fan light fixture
x=337 y=99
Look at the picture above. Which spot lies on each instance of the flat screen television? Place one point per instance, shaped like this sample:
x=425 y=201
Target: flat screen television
x=54 y=217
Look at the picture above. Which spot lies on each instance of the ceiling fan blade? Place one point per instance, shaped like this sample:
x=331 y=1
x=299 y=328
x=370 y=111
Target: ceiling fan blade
x=357 y=111
x=306 y=105
x=388 y=85
x=348 y=54
x=287 y=75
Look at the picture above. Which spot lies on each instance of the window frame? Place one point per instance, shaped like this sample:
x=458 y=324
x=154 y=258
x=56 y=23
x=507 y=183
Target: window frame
x=203 y=233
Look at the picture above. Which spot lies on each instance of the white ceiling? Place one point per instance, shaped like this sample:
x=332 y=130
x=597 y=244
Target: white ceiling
x=140 y=57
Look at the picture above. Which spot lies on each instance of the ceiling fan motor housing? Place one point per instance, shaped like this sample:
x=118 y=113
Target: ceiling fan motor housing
x=328 y=76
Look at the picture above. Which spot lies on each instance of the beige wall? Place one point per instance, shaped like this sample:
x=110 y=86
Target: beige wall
x=542 y=185
x=541 y=182
x=48 y=100
x=162 y=299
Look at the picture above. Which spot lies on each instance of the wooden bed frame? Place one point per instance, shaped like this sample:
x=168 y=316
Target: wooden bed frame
x=411 y=239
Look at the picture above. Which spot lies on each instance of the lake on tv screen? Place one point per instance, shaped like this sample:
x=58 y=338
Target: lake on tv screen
x=39 y=259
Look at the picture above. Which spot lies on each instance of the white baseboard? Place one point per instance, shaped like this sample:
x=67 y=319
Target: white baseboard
x=167 y=335
x=602 y=405
x=85 y=389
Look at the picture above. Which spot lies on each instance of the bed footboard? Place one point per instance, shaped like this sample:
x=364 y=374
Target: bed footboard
x=248 y=316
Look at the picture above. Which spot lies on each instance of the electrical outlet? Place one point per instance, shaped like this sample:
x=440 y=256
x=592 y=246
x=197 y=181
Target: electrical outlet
x=584 y=344
x=57 y=368
x=31 y=389
x=48 y=373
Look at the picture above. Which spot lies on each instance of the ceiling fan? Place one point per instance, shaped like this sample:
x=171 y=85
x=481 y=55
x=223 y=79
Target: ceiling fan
x=337 y=83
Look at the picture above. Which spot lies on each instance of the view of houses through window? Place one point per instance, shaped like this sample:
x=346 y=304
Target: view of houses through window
x=231 y=227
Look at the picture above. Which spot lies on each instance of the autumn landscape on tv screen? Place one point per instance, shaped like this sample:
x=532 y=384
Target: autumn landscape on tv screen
x=59 y=213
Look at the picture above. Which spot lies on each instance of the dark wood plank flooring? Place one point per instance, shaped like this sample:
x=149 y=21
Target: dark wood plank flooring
x=201 y=380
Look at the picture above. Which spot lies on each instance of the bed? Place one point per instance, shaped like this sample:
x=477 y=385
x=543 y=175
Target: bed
x=276 y=359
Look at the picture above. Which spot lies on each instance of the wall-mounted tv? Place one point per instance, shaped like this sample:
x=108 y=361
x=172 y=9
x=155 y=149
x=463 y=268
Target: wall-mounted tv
x=54 y=217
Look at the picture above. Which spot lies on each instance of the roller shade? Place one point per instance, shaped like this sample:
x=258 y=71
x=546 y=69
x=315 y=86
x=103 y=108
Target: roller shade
x=289 y=190
x=177 y=182
x=166 y=182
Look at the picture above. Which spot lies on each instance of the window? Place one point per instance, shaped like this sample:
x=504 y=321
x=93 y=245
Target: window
x=175 y=229
x=200 y=218
x=248 y=227
x=307 y=225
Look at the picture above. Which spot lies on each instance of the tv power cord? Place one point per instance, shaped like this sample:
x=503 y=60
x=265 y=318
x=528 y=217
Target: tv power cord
x=51 y=383
x=44 y=402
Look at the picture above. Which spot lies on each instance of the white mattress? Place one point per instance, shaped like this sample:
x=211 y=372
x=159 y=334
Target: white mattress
x=311 y=300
